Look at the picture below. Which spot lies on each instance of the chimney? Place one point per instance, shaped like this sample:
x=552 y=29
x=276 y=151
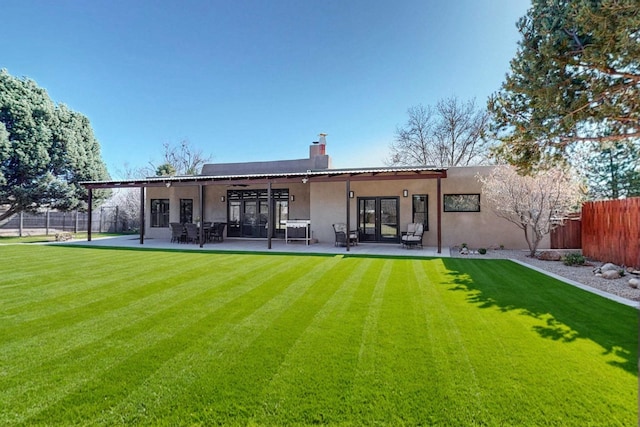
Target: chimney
x=318 y=148
x=323 y=143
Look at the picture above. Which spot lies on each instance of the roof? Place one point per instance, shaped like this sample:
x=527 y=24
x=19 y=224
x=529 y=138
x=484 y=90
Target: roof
x=323 y=175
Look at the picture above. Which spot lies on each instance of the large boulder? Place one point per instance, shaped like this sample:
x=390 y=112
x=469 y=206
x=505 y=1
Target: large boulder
x=609 y=267
x=611 y=274
x=550 y=256
x=634 y=283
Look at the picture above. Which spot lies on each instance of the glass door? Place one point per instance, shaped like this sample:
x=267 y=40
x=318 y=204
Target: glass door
x=367 y=219
x=389 y=229
x=263 y=219
x=378 y=219
x=248 y=212
x=233 y=222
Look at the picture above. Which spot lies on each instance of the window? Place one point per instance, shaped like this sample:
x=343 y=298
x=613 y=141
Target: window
x=419 y=212
x=160 y=212
x=462 y=203
x=186 y=211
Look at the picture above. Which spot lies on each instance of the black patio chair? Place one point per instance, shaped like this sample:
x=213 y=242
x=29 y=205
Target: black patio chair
x=217 y=231
x=177 y=232
x=193 y=233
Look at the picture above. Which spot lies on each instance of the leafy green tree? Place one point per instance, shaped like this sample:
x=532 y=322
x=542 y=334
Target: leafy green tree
x=575 y=78
x=166 y=169
x=45 y=151
x=610 y=172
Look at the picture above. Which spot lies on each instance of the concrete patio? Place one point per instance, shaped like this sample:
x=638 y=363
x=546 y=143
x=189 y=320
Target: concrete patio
x=260 y=245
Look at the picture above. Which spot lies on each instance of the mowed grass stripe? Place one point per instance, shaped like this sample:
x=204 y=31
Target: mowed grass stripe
x=403 y=387
x=311 y=382
x=116 y=382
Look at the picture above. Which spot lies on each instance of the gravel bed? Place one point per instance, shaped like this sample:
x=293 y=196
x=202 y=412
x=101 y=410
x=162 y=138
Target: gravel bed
x=580 y=274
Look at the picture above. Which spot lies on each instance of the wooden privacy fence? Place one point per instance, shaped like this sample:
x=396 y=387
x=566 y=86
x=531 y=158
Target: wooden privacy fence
x=568 y=235
x=611 y=231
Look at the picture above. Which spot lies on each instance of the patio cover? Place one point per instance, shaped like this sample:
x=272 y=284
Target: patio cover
x=323 y=175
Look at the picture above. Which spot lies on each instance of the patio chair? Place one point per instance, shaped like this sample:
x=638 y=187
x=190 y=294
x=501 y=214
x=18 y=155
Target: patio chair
x=413 y=236
x=206 y=228
x=340 y=230
x=177 y=232
x=193 y=233
x=217 y=231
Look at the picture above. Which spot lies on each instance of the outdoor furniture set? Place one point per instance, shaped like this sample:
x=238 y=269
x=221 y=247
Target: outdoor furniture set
x=190 y=233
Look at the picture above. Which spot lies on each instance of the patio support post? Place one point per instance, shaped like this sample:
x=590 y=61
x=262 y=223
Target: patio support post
x=142 y=215
x=270 y=216
x=89 y=213
x=201 y=228
x=439 y=216
x=348 y=214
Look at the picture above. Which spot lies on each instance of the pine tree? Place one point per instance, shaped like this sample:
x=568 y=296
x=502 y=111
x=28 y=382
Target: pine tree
x=575 y=78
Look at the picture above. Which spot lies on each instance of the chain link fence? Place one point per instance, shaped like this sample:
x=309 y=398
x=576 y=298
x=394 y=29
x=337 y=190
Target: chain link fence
x=107 y=219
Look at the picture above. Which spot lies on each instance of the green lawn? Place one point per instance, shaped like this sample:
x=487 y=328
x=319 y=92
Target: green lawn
x=107 y=337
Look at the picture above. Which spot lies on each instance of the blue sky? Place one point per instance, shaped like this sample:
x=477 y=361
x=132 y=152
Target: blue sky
x=257 y=80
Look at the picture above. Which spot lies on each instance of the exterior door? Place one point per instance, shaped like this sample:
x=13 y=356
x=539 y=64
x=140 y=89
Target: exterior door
x=248 y=212
x=378 y=219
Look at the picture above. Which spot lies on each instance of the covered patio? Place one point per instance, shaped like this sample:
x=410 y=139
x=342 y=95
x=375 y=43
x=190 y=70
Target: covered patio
x=257 y=245
x=342 y=211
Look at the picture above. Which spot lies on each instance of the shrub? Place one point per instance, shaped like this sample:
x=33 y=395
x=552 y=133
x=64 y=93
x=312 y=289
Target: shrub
x=574 y=258
x=482 y=251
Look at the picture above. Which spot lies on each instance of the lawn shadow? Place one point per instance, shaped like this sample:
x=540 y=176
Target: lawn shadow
x=567 y=312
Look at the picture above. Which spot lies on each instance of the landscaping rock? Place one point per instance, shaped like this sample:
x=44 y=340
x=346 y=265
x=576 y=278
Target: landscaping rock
x=464 y=251
x=611 y=274
x=550 y=256
x=634 y=283
x=609 y=267
x=64 y=236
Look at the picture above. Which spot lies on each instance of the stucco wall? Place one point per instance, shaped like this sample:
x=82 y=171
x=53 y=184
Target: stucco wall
x=477 y=229
x=324 y=204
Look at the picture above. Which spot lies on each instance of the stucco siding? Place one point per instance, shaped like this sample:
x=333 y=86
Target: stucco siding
x=477 y=229
x=324 y=203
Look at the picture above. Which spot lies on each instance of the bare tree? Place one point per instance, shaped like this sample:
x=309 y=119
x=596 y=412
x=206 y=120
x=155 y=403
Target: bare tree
x=412 y=145
x=185 y=159
x=451 y=134
x=128 y=199
x=535 y=203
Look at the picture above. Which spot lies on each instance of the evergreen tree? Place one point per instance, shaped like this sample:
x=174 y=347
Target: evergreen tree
x=614 y=171
x=45 y=151
x=575 y=78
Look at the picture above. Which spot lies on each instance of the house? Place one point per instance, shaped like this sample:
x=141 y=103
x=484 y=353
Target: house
x=259 y=200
